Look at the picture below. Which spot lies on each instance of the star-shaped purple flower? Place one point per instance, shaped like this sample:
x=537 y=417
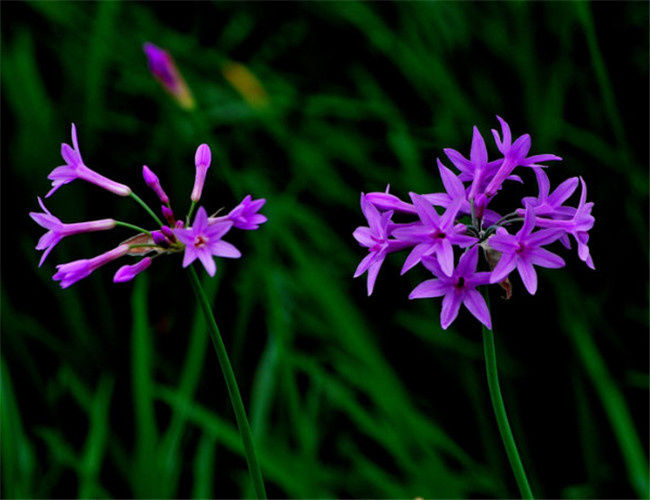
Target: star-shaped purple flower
x=57 y=230
x=375 y=237
x=435 y=235
x=203 y=240
x=74 y=168
x=523 y=251
x=459 y=288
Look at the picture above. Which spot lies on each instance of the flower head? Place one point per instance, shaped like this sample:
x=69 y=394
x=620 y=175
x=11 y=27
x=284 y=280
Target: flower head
x=75 y=168
x=467 y=222
x=203 y=241
x=457 y=289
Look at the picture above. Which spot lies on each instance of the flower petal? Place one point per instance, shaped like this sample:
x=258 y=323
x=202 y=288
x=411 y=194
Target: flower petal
x=543 y=258
x=208 y=261
x=450 y=306
x=528 y=274
x=224 y=249
x=428 y=289
x=476 y=304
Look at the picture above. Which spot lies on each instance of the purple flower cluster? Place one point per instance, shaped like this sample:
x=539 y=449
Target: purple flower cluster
x=202 y=240
x=464 y=222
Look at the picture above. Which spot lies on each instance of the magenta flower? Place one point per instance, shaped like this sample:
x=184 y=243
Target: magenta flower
x=435 y=235
x=245 y=216
x=468 y=222
x=523 y=251
x=577 y=223
x=457 y=289
x=72 y=272
x=514 y=155
x=127 y=273
x=163 y=68
x=202 y=160
x=203 y=241
x=57 y=230
x=74 y=168
x=375 y=237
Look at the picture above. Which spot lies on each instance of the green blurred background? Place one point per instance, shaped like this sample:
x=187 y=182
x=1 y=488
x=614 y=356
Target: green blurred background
x=114 y=391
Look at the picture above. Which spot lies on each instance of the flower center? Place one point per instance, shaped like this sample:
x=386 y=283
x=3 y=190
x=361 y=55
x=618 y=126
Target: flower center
x=521 y=248
x=460 y=284
x=200 y=241
x=438 y=235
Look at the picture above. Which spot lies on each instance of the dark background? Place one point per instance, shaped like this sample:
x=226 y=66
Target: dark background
x=113 y=390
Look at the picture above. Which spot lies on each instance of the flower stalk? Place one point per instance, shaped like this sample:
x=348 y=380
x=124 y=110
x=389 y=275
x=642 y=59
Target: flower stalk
x=233 y=390
x=500 y=409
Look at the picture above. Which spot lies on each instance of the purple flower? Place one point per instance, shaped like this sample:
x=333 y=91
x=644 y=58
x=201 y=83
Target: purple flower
x=523 y=250
x=550 y=205
x=57 y=230
x=163 y=68
x=74 y=168
x=578 y=224
x=435 y=235
x=375 y=237
x=70 y=273
x=459 y=288
x=203 y=240
x=245 y=216
x=387 y=201
x=127 y=273
x=153 y=182
x=514 y=155
x=202 y=160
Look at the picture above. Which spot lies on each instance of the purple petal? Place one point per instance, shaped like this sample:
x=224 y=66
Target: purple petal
x=521 y=147
x=446 y=257
x=478 y=153
x=544 y=237
x=208 y=261
x=459 y=161
x=450 y=306
x=476 y=304
x=529 y=223
x=505 y=129
x=563 y=191
x=416 y=255
x=363 y=235
x=365 y=264
x=452 y=184
x=373 y=270
x=200 y=221
x=372 y=215
x=224 y=249
x=543 y=258
x=504 y=267
x=467 y=263
x=528 y=275
x=426 y=212
x=189 y=256
x=428 y=289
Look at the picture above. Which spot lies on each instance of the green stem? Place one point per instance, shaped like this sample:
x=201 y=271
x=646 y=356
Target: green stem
x=500 y=410
x=132 y=226
x=233 y=390
x=189 y=214
x=146 y=207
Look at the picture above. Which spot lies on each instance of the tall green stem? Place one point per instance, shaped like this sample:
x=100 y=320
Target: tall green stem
x=146 y=207
x=233 y=390
x=500 y=410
